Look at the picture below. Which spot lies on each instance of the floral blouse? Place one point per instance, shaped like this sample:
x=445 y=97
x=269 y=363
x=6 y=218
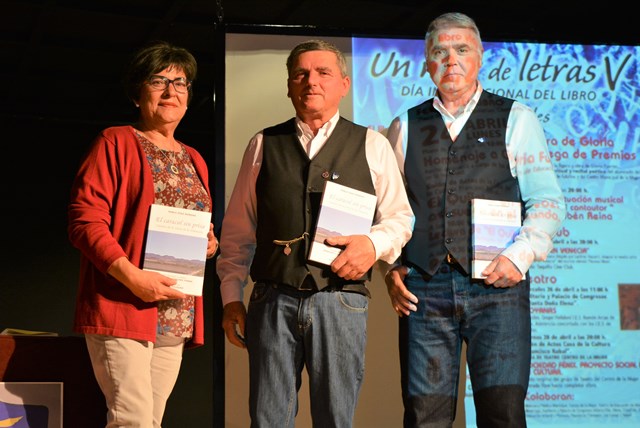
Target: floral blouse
x=177 y=185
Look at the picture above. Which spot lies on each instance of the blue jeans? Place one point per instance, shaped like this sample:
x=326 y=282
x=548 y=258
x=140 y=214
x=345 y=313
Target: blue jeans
x=324 y=331
x=495 y=324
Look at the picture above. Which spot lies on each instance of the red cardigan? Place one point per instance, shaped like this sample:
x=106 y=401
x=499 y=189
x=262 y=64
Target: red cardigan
x=108 y=211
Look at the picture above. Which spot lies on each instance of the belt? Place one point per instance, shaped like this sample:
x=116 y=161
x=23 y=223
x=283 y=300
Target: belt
x=308 y=288
x=450 y=264
x=292 y=291
x=301 y=292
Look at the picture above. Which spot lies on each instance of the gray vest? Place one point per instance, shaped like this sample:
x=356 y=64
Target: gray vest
x=288 y=190
x=443 y=176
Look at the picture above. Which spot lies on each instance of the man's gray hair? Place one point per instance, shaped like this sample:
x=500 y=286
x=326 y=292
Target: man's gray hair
x=317 y=45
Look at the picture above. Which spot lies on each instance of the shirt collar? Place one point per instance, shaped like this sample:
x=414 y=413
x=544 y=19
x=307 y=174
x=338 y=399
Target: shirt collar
x=303 y=130
x=468 y=108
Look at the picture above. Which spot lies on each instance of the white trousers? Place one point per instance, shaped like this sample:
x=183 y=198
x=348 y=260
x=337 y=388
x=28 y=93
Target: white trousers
x=136 y=377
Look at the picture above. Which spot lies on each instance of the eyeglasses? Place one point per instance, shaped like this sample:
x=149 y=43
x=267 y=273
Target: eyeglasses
x=161 y=83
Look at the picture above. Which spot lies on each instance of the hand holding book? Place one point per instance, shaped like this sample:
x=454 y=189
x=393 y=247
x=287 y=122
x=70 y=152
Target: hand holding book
x=494 y=226
x=502 y=273
x=177 y=242
x=344 y=211
x=357 y=255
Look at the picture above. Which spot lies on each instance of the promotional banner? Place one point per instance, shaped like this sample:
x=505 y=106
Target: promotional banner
x=585 y=298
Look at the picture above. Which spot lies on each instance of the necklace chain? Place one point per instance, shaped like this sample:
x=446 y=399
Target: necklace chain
x=171 y=160
x=287 y=249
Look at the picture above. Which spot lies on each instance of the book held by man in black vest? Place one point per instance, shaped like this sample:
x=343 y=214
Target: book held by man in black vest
x=343 y=211
x=494 y=225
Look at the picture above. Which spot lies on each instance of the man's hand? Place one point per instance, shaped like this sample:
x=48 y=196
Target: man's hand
x=402 y=300
x=355 y=259
x=234 y=316
x=502 y=273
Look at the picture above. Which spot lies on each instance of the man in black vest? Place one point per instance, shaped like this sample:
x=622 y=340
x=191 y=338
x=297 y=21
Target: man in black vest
x=305 y=314
x=462 y=144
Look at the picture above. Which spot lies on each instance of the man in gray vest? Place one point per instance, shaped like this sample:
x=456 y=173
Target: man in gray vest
x=301 y=313
x=462 y=144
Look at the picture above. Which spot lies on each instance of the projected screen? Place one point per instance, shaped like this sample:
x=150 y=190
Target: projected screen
x=585 y=298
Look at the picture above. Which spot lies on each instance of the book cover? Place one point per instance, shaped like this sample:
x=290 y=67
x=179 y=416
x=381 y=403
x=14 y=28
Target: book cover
x=343 y=211
x=494 y=225
x=177 y=246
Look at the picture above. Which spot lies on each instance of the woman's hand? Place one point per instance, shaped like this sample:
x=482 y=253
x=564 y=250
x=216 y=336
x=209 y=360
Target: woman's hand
x=212 y=243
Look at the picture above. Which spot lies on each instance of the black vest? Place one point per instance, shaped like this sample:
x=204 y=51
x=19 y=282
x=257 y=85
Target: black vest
x=288 y=191
x=443 y=176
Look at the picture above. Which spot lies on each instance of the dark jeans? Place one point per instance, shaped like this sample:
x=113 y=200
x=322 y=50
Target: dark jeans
x=495 y=323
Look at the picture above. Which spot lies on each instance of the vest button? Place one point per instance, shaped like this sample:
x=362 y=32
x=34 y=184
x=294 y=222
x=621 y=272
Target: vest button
x=451 y=172
x=448 y=240
x=451 y=191
x=449 y=214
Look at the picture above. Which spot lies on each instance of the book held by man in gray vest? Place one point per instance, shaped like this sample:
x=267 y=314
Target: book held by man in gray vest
x=494 y=225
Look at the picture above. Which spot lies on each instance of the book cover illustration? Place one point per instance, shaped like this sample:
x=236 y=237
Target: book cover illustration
x=494 y=226
x=343 y=211
x=177 y=246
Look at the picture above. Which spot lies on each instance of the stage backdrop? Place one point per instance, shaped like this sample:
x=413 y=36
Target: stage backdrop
x=586 y=296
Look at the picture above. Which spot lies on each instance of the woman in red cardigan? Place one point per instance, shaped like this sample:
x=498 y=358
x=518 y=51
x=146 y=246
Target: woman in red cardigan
x=136 y=325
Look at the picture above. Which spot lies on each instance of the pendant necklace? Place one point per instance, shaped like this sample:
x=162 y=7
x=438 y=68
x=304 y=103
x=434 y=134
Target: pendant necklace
x=171 y=160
